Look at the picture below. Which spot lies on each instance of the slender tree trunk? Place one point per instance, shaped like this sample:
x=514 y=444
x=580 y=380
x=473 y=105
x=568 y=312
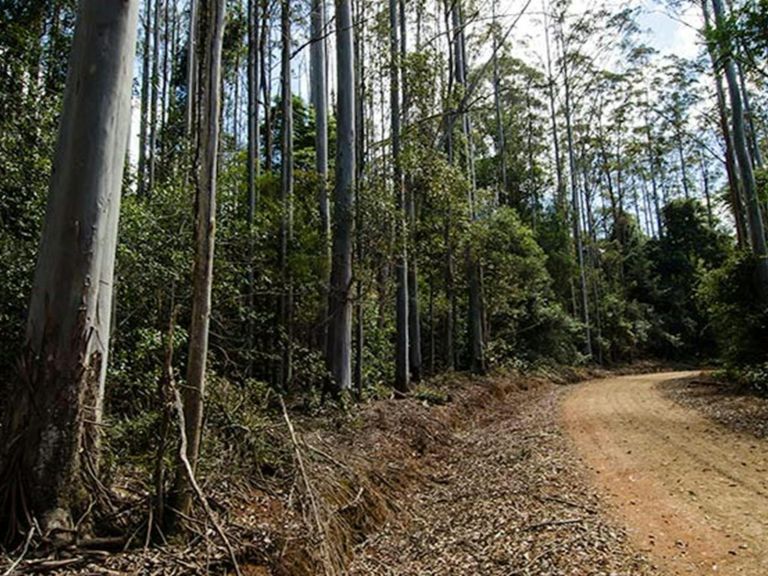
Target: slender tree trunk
x=286 y=194
x=169 y=18
x=500 y=146
x=253 y=168
x=145 y=98
x=754 y=142
x=576 y=207
x=402 y=362
x=683 y=163
x=652 y=170
x=205 y=228
x=757 y=233
x=560 y=201
x=340 y=305
x=192 y=67
x=155 y=96
x=53 y=424
x=705 y=187
x=319 y=96
x=415 y=358
x=474 y=274
x=360 y=135
x=734 y=184
x=266 y=84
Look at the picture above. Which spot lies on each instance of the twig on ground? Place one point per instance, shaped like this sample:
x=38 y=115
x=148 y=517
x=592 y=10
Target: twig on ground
x=308 y=486
x=196 y=487
x=24 y=550
x=549 y=523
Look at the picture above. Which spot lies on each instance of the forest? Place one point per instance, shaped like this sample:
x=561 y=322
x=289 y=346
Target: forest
x=228 y=226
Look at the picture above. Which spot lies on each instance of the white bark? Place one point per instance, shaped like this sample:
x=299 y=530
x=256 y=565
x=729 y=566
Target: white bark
x=339 y=346
x=59 y=410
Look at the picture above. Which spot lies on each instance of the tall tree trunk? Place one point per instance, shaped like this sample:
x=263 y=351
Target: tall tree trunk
x=319 y=96
x=155 y=95
x=652 y=170
x=169 y=18
x=753 y=140
x=474 y=274
x=734 y=185
x=266 y=83
x=402 y=348
x=360 y=135
x=53 y=423
x=560 y=201
x=192 y=69
x=576 y=203
x=286 y=194
x=205 y=228
x=502 y=184
x=756 y=230
x=415 y=357
x=340 y=305
x=145 y=98
x=253 y=168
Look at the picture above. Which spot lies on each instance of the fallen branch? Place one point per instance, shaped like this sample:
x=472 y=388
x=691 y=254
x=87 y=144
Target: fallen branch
x=307 y=485
x=196 y=487
x=24 y=550
x=549 y=523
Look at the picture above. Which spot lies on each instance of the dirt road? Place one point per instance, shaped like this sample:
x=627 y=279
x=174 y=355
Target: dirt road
x=693 y=495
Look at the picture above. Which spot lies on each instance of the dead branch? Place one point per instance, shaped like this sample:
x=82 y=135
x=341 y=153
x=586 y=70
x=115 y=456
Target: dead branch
x=196 y=487
x=307 y=485
x=24 y=550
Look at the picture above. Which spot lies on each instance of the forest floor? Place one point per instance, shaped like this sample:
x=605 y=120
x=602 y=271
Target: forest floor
x=513 y=474
x=509 y=496
x=692 y=492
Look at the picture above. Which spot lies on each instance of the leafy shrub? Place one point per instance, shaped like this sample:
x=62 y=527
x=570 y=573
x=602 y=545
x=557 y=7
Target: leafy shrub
x=731 y=299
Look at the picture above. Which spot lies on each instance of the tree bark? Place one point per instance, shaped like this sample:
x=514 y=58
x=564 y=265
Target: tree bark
x=205 y=232
x=576 y=204
x=53 y=425
x=360 y=146
x=319 y=95
x=741 y=147
x=402 y=362
x=734 y=185
x=155 y=96
x=286 y=194
x=339 y=342
x=253 y=168
x=145 y=98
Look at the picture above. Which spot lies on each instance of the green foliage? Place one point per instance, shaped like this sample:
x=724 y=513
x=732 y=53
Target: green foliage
x=523 y=316
x=731 y=299
x=688 y=250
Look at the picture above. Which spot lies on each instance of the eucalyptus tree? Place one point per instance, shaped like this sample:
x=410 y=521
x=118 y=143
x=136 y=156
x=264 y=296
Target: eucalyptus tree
x=734 y=184
x=319 y=95
x=253 y=163
x=286 y=194
x=573 y=179
x=741 y=148
x=206 y=171
x=339 y=341
x=54 y=422
x=402 y=347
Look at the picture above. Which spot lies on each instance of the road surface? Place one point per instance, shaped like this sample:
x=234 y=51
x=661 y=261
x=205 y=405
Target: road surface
x=692 y=494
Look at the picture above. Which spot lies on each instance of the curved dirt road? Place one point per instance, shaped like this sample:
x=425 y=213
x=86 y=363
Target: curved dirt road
x=693 y=495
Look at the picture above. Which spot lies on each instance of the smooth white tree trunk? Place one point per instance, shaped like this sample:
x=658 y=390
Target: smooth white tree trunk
x=55 y=417
x=339 y=345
